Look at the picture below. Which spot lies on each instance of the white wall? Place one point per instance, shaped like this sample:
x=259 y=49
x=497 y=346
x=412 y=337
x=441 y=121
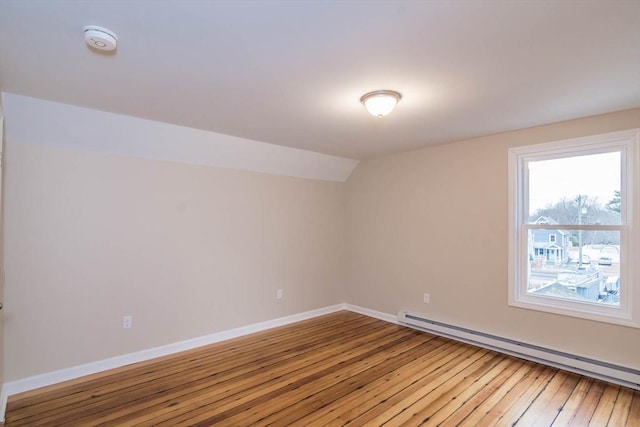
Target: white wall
x=435 y=220
x=186 y=250
x=40 y=122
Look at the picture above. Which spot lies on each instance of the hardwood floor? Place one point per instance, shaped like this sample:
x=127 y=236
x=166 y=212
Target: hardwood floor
x=334 y=370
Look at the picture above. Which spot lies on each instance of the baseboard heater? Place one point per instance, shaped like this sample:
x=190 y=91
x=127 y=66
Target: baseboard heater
x=570 y=362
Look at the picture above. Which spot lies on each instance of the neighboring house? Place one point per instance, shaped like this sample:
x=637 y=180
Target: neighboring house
x=550 y=246
x=591 y=287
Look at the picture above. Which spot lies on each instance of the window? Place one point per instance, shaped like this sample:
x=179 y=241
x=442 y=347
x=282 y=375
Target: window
x=577 y=202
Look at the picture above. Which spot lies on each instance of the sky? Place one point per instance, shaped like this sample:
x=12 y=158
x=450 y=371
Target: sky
x=596 y=175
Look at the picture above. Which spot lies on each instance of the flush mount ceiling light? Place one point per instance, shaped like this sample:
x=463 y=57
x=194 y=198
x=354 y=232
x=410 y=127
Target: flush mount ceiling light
x=380 y=102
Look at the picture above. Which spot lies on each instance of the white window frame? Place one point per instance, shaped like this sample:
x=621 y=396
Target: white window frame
x=628 y=143
x=552 y=240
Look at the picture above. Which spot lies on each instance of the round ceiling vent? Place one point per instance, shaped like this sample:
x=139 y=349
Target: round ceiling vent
x=100 y=38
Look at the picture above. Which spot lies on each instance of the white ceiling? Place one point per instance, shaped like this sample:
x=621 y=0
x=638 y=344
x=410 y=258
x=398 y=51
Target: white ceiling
x=292 y=73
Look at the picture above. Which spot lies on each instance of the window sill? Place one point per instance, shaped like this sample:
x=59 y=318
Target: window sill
x=589 y=311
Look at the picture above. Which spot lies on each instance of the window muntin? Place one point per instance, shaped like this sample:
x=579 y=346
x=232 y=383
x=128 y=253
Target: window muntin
x=582 y=192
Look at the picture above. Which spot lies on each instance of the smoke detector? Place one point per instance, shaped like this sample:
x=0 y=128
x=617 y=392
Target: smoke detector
x=100 y=38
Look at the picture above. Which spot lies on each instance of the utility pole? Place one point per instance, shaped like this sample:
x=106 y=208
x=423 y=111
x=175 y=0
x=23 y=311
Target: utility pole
x=581 y=211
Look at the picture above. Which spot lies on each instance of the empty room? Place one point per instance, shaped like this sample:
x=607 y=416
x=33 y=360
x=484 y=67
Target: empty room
x=320 y=213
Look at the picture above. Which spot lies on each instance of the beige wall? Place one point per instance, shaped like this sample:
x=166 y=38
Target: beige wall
x=186 y=250
x=1 y=245
x=435 y=220
x=192 y=250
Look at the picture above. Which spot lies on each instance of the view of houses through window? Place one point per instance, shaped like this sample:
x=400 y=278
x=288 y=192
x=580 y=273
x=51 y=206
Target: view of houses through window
x=575 y=253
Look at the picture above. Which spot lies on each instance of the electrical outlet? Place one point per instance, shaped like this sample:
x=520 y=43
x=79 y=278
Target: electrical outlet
x=427 y=298
x=279 y=294
x=127 y=322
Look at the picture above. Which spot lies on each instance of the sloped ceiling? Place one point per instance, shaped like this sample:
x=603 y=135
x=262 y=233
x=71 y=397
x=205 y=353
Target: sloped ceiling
x=292 y=73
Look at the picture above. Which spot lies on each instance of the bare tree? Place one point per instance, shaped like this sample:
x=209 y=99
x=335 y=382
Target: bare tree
x=583 y=210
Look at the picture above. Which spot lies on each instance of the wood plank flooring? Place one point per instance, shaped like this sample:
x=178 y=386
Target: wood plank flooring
x=335 y=370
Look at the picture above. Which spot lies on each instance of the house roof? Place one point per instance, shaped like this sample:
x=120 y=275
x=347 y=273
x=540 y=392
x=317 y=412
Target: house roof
x=562 y=291
x=545 y=220
x=548 y=220
x=292 y=73
x=546 y=245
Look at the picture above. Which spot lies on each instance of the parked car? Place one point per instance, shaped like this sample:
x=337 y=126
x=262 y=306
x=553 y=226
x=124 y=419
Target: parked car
x=585 y=260
x=605 y=260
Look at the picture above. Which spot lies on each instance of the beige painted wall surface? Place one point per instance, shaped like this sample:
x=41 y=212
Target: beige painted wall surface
x=435 y=220
x=1 y=245
x=186 y=250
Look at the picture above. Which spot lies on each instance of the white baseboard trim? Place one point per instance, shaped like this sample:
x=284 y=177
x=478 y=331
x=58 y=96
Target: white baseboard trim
x=49 y=378
x=391 y=318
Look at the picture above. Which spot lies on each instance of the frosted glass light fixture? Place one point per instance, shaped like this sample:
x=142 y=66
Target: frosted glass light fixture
x=380 y=102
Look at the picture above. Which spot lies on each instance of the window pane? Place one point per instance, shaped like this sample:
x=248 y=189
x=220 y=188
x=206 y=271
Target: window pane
x=575 y=267
x=575 y=190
